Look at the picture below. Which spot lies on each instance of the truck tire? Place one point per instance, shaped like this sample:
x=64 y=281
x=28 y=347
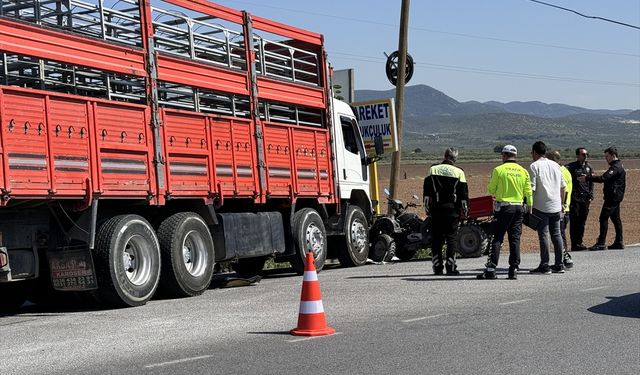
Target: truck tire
x=354 y=246
x=308 y=235
x=249 y=267
x=187 y=255
x=472 y=241
x=12 y=296
x=127 y=261
x=383 y=248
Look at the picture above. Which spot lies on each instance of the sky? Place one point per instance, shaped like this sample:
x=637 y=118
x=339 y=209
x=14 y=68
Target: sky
x=504 y=50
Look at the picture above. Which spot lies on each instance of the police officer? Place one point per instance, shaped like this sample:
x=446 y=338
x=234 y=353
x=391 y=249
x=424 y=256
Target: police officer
x=511 y=187
x=581 y=197
x=566 y=208
x=614 y=180
x=445 y=194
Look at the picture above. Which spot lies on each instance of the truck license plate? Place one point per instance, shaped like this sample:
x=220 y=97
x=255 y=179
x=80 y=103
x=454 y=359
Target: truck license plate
x=72 y=269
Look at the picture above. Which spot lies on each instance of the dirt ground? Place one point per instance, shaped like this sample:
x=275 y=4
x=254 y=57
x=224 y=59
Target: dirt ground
x=478 y=174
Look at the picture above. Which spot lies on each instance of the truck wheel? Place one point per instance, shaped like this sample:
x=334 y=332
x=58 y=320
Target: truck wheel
x=472 y=241
x=127 y=261
x=382 y=248
x=308 y=235
x=354 y=246
x=187 y=255
x=12 y=296
x=249 y=267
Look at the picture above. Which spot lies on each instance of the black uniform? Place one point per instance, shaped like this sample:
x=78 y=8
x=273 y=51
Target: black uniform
x=446 y=187
x=581 y=197
x=614 y=180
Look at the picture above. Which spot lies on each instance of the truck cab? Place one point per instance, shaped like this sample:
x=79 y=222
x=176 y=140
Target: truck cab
x=351 y=160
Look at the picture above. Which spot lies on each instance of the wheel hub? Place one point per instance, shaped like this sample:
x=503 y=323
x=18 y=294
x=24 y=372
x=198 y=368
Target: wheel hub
x=194 y=253
x=136 y=260
x=314 y=239
x=359 y=236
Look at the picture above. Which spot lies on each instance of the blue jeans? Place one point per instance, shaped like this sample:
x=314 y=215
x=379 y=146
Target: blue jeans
x=549 y=227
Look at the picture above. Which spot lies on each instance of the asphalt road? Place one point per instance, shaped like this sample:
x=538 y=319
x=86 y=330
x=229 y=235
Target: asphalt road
x=390 y=319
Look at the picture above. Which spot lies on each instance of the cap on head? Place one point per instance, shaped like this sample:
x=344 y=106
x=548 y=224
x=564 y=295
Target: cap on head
x=510 y=149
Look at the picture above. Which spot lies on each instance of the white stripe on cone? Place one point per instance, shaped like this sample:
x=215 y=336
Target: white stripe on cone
x=311 y=307
x=310 y=276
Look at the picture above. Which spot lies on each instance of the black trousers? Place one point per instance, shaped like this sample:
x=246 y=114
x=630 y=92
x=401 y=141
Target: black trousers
x=578 y=212
x=507 y=220
x=445 y=223
x=566 y=220
x=610 y=210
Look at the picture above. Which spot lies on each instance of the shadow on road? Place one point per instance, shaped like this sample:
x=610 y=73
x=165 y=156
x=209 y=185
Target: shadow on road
x=282 y=333
x=422 y=277
x=625 y=306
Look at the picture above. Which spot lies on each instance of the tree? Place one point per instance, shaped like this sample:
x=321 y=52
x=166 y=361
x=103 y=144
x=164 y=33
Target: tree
x=498 y=148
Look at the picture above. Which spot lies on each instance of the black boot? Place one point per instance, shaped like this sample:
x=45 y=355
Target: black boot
x=487 y=275
x=452 y=270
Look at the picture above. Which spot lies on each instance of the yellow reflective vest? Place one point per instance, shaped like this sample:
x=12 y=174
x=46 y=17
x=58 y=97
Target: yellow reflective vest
x=567 y=189
x=510 y=183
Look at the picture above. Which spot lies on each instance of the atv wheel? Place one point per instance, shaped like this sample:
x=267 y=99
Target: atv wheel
x=472 y=241
x=382 y=248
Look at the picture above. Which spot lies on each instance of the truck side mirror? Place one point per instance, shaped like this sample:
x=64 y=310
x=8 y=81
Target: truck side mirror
x=379 y=145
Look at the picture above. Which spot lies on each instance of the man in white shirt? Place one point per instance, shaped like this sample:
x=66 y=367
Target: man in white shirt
x=548 y=186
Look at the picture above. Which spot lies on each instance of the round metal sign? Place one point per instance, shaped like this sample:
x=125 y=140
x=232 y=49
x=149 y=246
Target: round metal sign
x=391 y=68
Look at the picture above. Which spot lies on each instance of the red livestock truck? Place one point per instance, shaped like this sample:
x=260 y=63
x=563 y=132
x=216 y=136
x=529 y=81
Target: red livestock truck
x=143 y=141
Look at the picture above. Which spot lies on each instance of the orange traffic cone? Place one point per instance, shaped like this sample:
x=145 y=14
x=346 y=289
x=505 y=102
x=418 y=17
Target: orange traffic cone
x=311 y=319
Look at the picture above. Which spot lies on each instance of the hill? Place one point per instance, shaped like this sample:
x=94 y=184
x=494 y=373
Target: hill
x=423 y=100
x=553 y=110
x=434 y=120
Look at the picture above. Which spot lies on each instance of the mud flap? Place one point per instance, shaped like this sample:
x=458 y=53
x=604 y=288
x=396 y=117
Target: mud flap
x=72 y=269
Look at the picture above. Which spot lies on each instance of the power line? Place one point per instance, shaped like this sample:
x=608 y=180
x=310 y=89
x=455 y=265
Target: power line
x=395 y=26
x=372 y=59
x=586 y=16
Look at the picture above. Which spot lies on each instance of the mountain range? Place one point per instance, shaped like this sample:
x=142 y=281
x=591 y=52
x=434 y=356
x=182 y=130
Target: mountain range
x=434 y=120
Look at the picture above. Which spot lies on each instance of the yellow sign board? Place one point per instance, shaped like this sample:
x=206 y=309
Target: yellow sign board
x=377 y=118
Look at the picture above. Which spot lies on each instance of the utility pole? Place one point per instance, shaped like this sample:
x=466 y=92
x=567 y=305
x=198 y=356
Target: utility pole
x=402 y=65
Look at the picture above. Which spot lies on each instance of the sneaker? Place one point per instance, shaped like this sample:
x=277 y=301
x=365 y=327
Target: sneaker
x=513 y=273
x=438 y=271
x=487 y=275
x=579 y=247
x=542 y=269
x=567 y=261
x=558 y=268
x=616 y=246
x=598 y=247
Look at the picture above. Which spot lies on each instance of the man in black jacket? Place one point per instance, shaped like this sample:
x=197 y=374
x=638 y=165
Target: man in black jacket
x=581 y=197
x=614 y=186
x=445 y=195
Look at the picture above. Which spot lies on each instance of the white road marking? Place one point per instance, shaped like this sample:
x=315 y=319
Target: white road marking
x=177 y=361
x=313 y=337
x=592 y=289
x=422 y=318
x=634 y=244
x=514 y=302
